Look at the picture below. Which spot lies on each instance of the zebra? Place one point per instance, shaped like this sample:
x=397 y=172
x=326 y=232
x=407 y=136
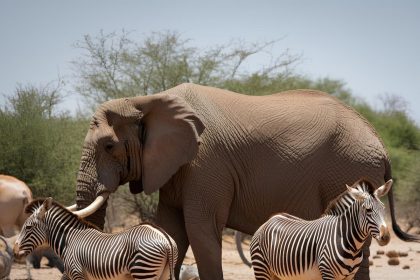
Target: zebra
x=141 y=252
x=287 y=247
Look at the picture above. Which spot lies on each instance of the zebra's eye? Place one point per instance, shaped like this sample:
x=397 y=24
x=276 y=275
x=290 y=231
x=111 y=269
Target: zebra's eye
x=28 y=227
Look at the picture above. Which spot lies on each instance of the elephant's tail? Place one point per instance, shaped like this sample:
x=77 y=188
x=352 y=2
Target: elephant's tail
x=238 y=241
x=398 y=231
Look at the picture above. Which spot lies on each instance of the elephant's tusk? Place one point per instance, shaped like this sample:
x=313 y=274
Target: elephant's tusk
x=72 y=207
x=95 y=205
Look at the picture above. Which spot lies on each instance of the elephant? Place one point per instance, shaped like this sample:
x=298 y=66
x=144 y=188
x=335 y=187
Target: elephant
x=222 y=159
x=15 y=195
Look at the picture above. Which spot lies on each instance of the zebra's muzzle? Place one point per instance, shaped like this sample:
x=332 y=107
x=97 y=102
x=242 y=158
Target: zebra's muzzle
x=17 y=252
x=384 y=236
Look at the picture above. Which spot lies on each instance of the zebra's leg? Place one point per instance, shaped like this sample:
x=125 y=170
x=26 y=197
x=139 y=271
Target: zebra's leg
x=172 y=221
x=363 y=272
x=326 y=273
x=147 y=264
x=259 y=263
x=165 y=273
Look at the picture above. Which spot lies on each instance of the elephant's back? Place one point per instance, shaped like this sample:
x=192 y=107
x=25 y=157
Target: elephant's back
x=270 y=116
x=299 y=120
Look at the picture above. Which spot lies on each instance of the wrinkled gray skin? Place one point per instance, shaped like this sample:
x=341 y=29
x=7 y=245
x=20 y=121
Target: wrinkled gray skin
x=221 y=159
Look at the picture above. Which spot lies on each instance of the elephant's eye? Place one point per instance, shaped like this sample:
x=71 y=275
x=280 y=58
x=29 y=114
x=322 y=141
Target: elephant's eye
x=109 y=146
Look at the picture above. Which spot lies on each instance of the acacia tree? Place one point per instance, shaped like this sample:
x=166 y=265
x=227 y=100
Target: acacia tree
x=113 y=65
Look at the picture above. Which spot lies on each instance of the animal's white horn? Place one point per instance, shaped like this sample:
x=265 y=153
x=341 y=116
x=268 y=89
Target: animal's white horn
x=72 y=207
x=95 y=205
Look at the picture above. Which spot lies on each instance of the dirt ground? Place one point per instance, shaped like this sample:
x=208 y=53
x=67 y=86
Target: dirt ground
x=407 y=269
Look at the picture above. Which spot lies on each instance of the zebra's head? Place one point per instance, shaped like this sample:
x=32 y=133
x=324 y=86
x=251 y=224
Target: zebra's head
x=372 y=210
x=34 y=230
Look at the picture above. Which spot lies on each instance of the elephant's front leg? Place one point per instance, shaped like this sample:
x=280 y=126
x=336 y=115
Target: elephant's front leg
x=205 y=218
x=206 y=243
x=172 y=221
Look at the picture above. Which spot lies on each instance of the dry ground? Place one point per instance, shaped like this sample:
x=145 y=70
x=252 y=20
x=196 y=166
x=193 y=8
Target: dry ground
x=234 y=269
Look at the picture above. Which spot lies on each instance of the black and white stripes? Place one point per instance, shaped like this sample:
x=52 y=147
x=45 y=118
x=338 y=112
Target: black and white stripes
x=287 y=247
x=143 y=251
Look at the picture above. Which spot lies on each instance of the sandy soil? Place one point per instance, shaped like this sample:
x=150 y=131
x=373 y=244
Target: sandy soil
x=234 y=269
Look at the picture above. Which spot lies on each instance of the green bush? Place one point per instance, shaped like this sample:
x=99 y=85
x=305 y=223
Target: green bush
x=38 y=146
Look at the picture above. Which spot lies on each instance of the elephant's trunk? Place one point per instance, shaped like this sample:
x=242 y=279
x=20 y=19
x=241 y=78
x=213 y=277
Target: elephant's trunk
x=87 y=189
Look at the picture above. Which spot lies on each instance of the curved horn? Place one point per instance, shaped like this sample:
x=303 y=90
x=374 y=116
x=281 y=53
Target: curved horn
x=72 y=207
x=95 y=205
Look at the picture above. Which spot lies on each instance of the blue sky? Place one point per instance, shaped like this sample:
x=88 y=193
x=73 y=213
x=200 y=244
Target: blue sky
x=374 y=46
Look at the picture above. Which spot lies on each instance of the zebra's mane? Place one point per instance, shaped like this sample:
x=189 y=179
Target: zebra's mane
x=341 y=202
x=35 y=204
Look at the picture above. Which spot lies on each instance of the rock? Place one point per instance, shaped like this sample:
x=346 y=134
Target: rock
x=376 y=257
x=6 y=258
x=414 y=230
x=380 y=252
x=392 y=254
x=393 y=261
x=370 y=263
x=402 y=254
x=406 y=267
x=189 y=272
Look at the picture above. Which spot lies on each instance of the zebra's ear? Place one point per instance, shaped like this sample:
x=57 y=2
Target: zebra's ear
x=44 y=208
x=355 y=193
x=384 y=189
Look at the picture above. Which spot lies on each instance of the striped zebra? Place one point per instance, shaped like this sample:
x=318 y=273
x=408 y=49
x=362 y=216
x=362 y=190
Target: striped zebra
x=287 y=247
x=141 y=252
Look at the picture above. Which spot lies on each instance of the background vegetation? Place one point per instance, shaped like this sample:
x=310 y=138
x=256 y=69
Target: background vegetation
x=42 y=146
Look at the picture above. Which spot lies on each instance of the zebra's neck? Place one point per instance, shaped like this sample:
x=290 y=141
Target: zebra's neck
x=345 y=211
x=340 y=205
x=60 y=223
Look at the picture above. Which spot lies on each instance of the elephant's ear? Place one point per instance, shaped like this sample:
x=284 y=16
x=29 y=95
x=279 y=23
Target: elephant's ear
x=172 y=137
